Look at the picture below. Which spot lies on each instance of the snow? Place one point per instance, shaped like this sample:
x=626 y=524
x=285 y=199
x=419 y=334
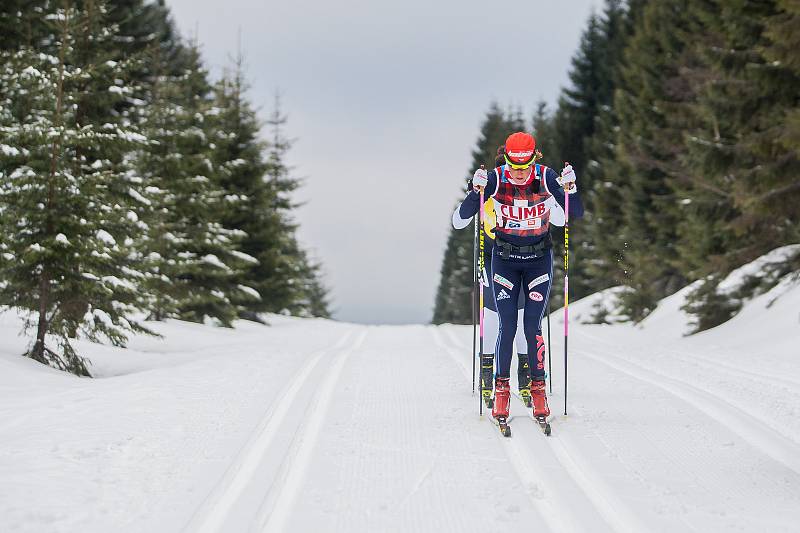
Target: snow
x=138 y=197
x=9 y=151
x=106 y=237
x=213 y=260
x=250 y=291
x=116 y=282
x=244 y=257
x=31 y=72
x=315 y=425
x=758 y=267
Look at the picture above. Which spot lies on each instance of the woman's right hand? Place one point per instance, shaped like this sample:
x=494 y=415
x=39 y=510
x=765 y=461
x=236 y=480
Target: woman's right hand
x=479 y=179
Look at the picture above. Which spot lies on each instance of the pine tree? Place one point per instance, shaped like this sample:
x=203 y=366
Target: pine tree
x=250 y=198
x=160 y=166
x=196 y=258
x=569 y=136
x=23 y=24
x=453 y=297
x=782 y=32
x=646 y=148
x=740 y=161
x=147 y=31
x=600 y=243
x=289 y=281
x=66 y=188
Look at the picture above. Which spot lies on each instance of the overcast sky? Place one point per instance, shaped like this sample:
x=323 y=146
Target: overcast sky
x=385 y=100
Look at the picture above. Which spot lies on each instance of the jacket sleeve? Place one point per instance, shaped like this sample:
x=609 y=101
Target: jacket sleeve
x=575 y=203
x=471 y=203
x=557 y=217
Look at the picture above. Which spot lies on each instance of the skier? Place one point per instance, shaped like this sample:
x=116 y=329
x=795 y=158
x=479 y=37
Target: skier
x=525 y=194
x=490 y=321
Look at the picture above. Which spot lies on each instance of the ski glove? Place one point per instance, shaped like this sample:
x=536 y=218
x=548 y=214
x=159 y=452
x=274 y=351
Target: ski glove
x=567 y=179
x=480 y=179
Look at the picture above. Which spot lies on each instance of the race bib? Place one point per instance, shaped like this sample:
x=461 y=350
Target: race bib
x=521 y=217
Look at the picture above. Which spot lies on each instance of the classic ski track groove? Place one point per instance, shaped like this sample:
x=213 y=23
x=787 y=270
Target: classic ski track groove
x=615 y=514
x=609 y=508
x=274 y=518
x=728 y=416
x=763 y=438
x=713 y=364
x=546 y=507
x=218 y=503
x=674 y=450
x=612 y=509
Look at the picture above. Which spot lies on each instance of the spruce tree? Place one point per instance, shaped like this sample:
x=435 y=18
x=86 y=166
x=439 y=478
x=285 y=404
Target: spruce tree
x=289 y=281
x=600 y=240
x=646 y=148
x=238 y=155
x=67 y=187
x=742 y=195
x=23 y=24
x=147 y=27
x=196 y=258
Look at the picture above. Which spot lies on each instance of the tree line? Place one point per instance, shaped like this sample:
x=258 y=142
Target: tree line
x=133 y=187
x=682 y=121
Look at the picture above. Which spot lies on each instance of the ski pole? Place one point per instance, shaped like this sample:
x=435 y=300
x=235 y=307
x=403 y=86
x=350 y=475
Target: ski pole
x=549 y=349
x=473 y=300
x=481 y=267
x=566 y=288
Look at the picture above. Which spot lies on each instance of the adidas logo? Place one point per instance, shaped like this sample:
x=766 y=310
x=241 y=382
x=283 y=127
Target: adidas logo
x=503 y=295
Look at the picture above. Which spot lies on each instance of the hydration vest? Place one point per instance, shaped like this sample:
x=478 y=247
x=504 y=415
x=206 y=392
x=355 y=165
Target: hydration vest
x=521 y=210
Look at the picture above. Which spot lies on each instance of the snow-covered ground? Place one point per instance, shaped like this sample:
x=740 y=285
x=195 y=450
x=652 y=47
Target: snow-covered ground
x=313 y=425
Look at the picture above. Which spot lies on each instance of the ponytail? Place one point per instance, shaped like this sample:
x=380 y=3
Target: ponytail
x=500 y=158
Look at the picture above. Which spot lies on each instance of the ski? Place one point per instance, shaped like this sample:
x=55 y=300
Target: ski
x=544 y=425
x=502 y=424
x=541 y=421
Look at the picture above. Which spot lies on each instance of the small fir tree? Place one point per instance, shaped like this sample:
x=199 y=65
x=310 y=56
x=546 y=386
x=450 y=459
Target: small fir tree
x=66 y=189
x=194 y=258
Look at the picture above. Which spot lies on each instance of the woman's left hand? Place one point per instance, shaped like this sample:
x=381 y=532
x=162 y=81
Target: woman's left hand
x=567 y=178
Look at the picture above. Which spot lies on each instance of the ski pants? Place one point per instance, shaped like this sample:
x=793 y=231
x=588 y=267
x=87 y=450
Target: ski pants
x=491 y=323
x=533 y=275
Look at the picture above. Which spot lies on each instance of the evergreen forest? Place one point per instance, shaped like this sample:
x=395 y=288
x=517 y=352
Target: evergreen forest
x=682 y=121
x=133 y=186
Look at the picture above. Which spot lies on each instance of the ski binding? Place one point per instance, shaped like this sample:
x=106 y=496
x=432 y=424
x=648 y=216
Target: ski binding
x=502 y=423
x=544 y=425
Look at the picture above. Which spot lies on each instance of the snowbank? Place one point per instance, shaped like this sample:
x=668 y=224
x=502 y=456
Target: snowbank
x=127 y=451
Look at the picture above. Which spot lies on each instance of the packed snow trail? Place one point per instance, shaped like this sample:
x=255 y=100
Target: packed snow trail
x=665 y=449
x=313 y=425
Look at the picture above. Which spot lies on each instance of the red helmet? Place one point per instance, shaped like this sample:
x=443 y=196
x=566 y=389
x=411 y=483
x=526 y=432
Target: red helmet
x=520 y=149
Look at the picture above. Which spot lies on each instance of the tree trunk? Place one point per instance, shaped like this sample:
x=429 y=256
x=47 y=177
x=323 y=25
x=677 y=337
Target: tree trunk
x=39 y=348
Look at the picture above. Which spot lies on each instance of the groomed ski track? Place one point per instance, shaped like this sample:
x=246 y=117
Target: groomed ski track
x=380 y=432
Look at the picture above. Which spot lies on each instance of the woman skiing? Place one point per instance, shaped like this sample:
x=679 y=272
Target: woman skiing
x=490 y=320
x=522 y=259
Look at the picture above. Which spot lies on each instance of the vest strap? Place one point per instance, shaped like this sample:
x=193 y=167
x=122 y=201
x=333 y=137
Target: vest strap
x=536 y=250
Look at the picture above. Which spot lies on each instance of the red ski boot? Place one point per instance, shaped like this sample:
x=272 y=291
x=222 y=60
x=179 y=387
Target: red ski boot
x=502 y=394
x=540 y=408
